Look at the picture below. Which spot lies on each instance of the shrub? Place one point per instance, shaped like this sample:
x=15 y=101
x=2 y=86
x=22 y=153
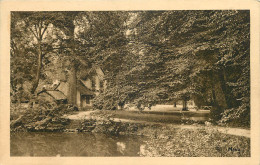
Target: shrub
x=41 y=118
x=238 y=117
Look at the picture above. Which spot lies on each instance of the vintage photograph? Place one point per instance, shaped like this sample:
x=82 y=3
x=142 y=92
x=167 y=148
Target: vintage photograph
x=137 y=83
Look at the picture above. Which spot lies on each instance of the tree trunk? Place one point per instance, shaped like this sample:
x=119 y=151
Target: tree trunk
x=222 y=80
x=184 y=105
x=214 y=100
x=213 y=92
x=72 y=86
x=38 y=71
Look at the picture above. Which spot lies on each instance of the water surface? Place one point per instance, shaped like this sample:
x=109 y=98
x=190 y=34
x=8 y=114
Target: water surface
x=74 y=144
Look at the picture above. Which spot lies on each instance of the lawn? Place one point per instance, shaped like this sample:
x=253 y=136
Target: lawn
x=176 y=117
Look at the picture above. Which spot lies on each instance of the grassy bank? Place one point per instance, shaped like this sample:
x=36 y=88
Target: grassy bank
x=171 y=141
x=204 y=142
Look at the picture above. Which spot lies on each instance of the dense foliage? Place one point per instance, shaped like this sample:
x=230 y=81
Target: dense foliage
x=182 y=55
x=148 y=57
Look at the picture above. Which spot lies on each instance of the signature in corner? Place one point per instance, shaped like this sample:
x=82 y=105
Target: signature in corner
x=232 y=149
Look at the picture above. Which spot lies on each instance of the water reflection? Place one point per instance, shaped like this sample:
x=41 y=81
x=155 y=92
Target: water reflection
x=74 y=144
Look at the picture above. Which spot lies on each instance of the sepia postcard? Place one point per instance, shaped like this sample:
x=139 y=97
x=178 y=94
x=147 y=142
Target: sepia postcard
x=130 y=82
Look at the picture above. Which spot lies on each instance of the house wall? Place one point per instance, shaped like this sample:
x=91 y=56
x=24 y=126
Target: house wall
x=97 y=83
x=97 y=80
x=84 y=104
x=78 y=98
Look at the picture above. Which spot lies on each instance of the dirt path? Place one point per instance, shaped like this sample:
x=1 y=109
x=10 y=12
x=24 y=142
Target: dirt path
x=230 y=131
x=234 y=131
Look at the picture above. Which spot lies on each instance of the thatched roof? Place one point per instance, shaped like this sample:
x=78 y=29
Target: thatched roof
x=57 y=95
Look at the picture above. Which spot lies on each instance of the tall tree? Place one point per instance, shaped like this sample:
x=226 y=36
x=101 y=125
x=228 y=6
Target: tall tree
x=29 y=42
x=91 y=38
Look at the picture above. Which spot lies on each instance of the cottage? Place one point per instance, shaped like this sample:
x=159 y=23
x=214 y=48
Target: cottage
x=84 y=95
x=87 y=88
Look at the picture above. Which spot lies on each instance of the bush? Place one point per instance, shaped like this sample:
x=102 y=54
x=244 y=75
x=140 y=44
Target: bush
x=41 y=118
x=237 y=117
x=102 y=102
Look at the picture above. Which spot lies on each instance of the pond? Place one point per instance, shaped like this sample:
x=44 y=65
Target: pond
x=74 y=144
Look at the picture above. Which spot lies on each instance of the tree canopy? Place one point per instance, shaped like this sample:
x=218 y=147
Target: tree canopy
x=148 y=57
